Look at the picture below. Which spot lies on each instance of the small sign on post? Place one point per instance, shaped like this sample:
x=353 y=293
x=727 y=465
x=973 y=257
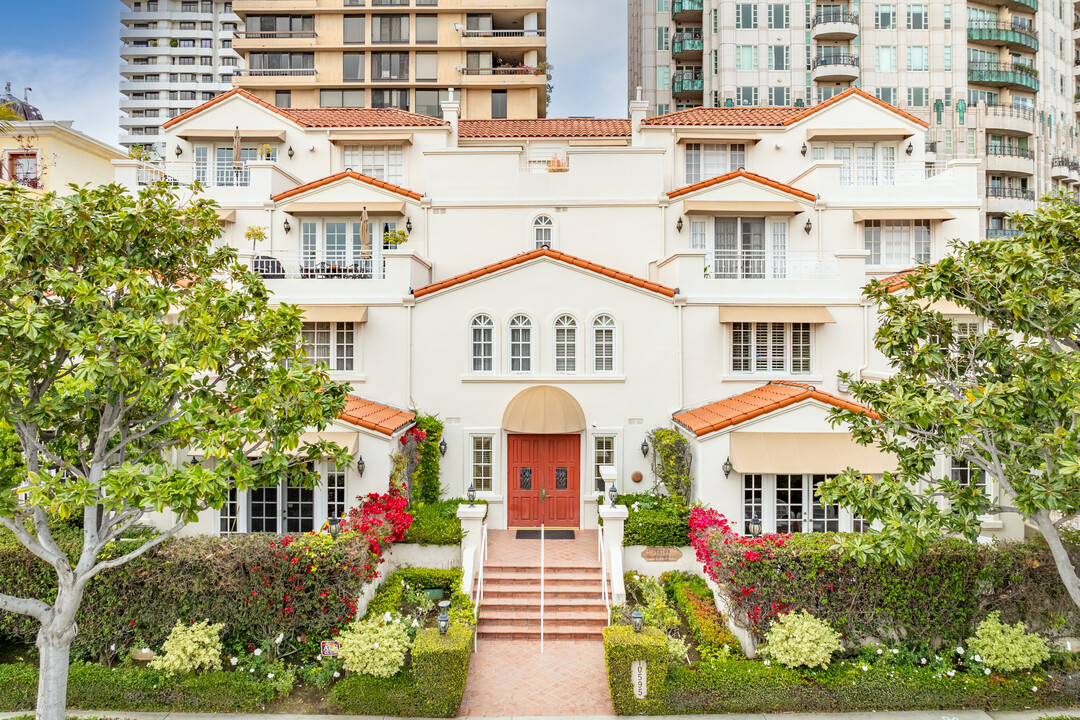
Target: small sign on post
x=638 y=678
x=329 y=648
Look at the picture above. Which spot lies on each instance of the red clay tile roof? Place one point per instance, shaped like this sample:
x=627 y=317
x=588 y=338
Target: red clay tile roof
x=753 y=403
x=791 y=190
x=547 y=128
x=324 y=117
x=344 y=174
x=553 y=254
x=765 y=116
x=898 y=281
x=374 y=416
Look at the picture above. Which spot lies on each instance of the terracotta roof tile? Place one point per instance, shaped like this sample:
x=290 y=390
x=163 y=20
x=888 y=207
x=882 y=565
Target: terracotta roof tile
x=375 y=416
x=791 y=190
x=863 y=94
x=549 y=253
x=221 y=98
x=899 y=280
x=346 y=174
x=754 y=403
x=546 y=128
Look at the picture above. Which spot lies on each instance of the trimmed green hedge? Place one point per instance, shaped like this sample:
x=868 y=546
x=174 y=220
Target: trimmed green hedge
x=431 y=687
x=436 y=523
x=695 y=601
x=745 y=686
x=659 y=521
x=389 y=595
x=93 y=687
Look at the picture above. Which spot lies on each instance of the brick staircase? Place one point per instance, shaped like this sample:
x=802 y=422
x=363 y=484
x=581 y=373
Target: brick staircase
x=573 y=603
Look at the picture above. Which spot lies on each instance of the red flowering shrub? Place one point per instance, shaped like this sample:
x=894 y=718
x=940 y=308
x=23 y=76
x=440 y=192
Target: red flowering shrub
x=382 y=519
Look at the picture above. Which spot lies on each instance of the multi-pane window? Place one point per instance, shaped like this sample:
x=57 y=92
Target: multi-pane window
x=390 y=29
x=966 y=329
x=918 y=17
x=603 y=454
x=707 y=160
x=789 y=503
x=918 y=97
x=752 y=500
x=663 y=38
x=740 y=251
x=330 y=343
x=771 y=348
x=663 y=78
x=746 y=15
x=228 y=516
x=897 y=242
x=746 y=57
x=299 y=509
x=382 y=162
x=481 y=337
x=884 y=17
x=746 y=96
x=542 y=230
x=963 y=472
x=263 y=509
x=565 y=344
x=780 y=96
x=779 y=57
x=483 y=466
x=885 y=58
x=389 y=66
x=520 y=344
x=335 y=492
x=886 y=94
x=604 y=344
x=918 y=57
x=824 y=517
x=779 y=16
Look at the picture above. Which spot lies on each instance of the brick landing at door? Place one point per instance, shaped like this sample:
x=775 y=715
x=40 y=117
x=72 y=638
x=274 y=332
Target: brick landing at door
x=511 y=677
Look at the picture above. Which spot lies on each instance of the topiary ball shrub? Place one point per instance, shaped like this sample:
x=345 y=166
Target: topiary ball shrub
x=1007 y=647
x=190 y=648
x=376 y=646
x=801 y=639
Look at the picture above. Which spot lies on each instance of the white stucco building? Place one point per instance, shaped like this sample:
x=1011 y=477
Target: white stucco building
x=568 y=285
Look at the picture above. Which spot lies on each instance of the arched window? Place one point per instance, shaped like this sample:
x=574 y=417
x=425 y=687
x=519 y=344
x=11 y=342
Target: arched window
x=483 y=346
x=542 y=231
x=604 y=344
x=520 y=344
x=566 y=344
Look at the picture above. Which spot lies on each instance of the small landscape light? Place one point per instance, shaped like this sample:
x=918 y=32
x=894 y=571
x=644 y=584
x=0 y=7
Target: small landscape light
x=613 y=493
x=335 y=527
x=442 y=447
x=637 y=620
x=644 y=448
x=726 y=467
x=808 y=226
x=471 y=494
x=286 y=226
x=444 y=622
x=360 y=465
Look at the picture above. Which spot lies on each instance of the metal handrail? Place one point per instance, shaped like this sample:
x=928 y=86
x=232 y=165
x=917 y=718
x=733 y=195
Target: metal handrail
x=603 y=574
x=835 y=17
x=1013 y=67
x=836 y=60
x=999 y=25
x=478 y=593
x=503 y=33
x=272 y=34
x=541 y=589
x=1010 y=150
x=1010 y=192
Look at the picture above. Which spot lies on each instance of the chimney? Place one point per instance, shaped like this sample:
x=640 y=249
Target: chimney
x=451 y=111
x=638 y=110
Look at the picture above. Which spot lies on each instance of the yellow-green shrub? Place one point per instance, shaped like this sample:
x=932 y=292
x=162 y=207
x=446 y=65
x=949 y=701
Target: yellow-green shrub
x=801 y=639
x=376 y=646
x=190 y=648
x=1007 y=647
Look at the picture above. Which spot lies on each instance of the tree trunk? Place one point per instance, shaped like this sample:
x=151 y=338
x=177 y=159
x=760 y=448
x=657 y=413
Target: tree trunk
x=54 y=649
x=1061 y=556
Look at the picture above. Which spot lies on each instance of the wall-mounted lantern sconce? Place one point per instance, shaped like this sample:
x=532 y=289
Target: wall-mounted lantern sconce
x=408 y=225
x=178 y=151
x=909 y=149
x=644 y=448
x=678 y=225
x=726 y=467
x=442 y=447
x=803 y=150
x=286 y=226
x=360 y=465
x=290 y=152
x=808 y=226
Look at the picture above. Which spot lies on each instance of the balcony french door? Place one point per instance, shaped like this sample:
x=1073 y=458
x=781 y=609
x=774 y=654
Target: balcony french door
x=338 y=248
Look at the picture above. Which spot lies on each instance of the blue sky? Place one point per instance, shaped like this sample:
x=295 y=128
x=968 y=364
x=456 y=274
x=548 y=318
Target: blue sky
x=68 y=51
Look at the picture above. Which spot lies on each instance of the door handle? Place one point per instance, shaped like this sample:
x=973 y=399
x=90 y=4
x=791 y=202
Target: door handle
x=543 y=494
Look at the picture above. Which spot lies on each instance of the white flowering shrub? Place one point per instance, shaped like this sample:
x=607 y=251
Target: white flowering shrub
x=190 y=648
x=1007 y=647
x=376 y=646
x=801 y=639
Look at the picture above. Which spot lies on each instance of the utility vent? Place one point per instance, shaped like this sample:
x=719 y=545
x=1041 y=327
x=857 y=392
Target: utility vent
x=560 y=209
x=634 y=421
x=438 y=211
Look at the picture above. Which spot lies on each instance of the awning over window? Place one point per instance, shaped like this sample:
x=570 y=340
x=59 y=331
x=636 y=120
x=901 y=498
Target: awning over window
x=334 y=313
x=849 y=134
x=704 y=135
x=796 y=453
x=345 y=208
x=543 y=410
x=226 y=215
x=744 y=207
x=267 y=136
x=354 y=137
x=781 y=313
x=907 y=213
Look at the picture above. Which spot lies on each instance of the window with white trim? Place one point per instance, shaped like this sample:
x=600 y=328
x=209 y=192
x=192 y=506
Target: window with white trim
x=697 y=234
x=707 y=160
x=790 y=513
x=331 y=343
x=520 y=344
x=603 y=454
x=542 y=231
x=335 y=492
x=963 y=472
x=383 y=162
x=299 y=509
x=263 y=509
x=481 y=341
x=228 y=516
x=565 y=344
x=483 y=467
x=603 y=344
x=966 y=329
x=752 y=500
x=771 y=348
x=823 y=517
x=896 y=242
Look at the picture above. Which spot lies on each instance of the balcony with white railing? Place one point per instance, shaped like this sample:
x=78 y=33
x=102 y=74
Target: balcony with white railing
x=321 y=277
x=244 y=183
x=320 y=265
x=770 y=265
x=911 y=183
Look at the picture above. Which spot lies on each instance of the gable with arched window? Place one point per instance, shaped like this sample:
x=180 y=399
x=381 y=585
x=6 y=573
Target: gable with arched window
x=565 y=344
x=603 y=344
x=543 y=231
x=520 y=344
x=482 y=344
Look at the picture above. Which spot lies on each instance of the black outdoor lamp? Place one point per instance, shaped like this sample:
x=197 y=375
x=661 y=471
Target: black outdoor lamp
x=613 y=493
x=290 y=152
x=678 y=225
x=909 y=149
x=286 y=226
x=803 y=150
x=637 y=620
x=755 y=526
x=360 y=465
x=408 y=225
x=471 y=494
x=442 y=447
x=335 y=527
x=726 y=467
x=808 y=226
x=179 y=151
x=644 y=448
x=444 y=622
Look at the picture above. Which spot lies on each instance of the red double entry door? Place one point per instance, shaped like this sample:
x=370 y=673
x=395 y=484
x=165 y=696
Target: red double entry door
x=543 y=480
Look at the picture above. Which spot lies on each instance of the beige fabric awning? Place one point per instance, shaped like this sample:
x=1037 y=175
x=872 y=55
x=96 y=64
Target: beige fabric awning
x=352 y=137
x=345 y=208
x=245 y=135
x=805 y=453
x=699 y=135
x=751 y=207
x=948 y=307
x=543 y=410
x=333 y=313
x=908 y=213
x=226 y=216
x=864 y=133
x=780 y=313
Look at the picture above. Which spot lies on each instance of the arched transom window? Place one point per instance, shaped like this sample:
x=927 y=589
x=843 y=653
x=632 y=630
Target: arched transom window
x=542 y=231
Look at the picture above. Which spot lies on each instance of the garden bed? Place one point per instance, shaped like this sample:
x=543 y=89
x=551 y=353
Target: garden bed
x=436 y=523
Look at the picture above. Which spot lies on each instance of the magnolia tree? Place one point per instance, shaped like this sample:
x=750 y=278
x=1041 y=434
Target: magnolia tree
x=126 y=336
x=1005 y=400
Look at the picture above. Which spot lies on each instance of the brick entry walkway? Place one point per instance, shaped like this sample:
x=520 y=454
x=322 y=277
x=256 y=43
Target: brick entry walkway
x=507 y=674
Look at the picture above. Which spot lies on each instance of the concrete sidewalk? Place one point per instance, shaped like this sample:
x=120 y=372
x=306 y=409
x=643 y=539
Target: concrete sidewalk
x=907 y=715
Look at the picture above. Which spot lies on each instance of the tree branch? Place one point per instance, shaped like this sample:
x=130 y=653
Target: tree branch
x=117 y=562
x=25 y=606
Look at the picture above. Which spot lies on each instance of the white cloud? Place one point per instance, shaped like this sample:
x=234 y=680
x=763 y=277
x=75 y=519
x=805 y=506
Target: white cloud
x=82 y=89
x=587 y=47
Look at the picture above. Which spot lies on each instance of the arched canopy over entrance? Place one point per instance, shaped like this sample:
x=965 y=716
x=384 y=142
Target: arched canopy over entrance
x=543 y=410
